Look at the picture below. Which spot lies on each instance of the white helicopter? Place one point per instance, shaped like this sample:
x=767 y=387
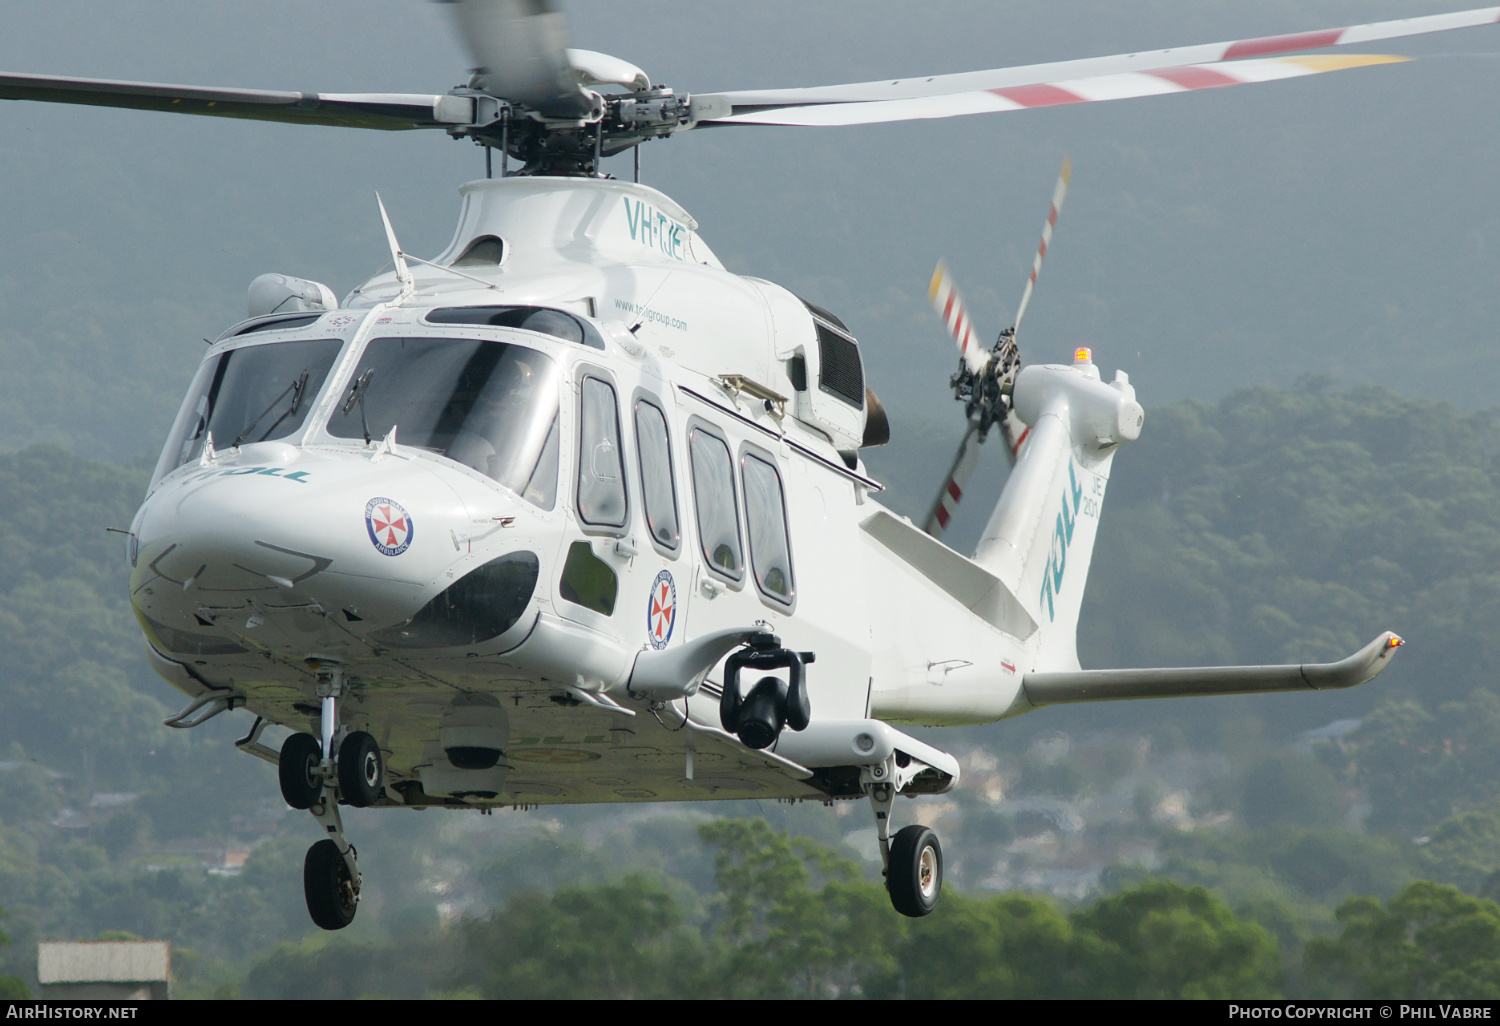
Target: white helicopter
x=509 y=526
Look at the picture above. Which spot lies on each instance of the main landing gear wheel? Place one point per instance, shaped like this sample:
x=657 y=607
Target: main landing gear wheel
x=301 y=783
x=915 y=876
x=361 y=772
x=332 y=891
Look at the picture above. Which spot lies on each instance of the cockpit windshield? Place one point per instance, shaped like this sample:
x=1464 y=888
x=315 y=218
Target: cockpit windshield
x=251 y=394
x=488 y=405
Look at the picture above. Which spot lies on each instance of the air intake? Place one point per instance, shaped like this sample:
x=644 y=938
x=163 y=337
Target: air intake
x=839 y=369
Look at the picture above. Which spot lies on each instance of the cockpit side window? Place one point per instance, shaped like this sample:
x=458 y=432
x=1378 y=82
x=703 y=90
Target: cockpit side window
x=251 y=394
x=658 y=483
x=714 y=500
x=491 y=406
x=601 y=471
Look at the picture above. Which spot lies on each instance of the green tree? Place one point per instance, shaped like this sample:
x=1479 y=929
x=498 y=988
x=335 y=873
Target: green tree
x=1155 y=940
x=1464 y=850
x=1430 y=942
x=323 y=968
x=1418 y=766
x=1293 y=525
x=801 y=919
x=1163 y=940
x=11 y=987
x=1008 y=946
x=1289 y=787
x=624 y=939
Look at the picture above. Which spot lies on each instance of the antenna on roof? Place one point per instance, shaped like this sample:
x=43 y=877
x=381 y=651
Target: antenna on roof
x=403 y=273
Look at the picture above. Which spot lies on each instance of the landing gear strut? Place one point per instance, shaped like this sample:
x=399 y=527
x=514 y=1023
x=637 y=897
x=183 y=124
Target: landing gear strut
x=312 y=778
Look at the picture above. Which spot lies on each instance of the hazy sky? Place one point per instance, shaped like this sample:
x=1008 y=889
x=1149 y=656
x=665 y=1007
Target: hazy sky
x=1347 y=223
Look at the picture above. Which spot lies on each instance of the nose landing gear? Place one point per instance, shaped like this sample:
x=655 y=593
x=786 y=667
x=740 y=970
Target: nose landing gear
x=313 y=779
x=330 y=885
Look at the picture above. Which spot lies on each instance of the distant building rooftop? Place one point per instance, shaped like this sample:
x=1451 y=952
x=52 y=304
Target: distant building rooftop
x=1330 y=731
x=104 y=962
x=105 y=800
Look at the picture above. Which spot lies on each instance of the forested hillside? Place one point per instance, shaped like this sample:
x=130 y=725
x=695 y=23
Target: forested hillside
x=1291 y=526
x=1273 y=526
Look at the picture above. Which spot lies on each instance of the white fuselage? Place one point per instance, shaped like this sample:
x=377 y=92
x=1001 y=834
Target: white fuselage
x=254 y=563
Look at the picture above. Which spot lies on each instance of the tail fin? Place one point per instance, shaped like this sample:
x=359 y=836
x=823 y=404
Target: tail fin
x=1040 y=538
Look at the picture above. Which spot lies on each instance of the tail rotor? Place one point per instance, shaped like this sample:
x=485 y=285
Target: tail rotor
x=1059 y=193
x=985 y=377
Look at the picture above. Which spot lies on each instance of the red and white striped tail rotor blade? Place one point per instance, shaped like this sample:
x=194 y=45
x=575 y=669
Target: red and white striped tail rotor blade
x=1059 y=193
x=950 y=307
x=954 y=484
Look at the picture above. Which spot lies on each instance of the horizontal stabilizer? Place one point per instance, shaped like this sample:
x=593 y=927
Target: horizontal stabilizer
x=1183 y=682
x=965 y=580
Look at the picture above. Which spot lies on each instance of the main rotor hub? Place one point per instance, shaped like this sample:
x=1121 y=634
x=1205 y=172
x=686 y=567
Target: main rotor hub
x=986 y=394
x=549 y=146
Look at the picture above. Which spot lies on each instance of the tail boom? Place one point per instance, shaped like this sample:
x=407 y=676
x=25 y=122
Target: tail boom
x=1040 y=538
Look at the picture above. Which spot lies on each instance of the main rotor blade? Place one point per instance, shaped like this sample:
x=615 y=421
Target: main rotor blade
x=746 y=101
x=1123 y=86
x=520 y=52
x=1059 y=193
x=388 y=111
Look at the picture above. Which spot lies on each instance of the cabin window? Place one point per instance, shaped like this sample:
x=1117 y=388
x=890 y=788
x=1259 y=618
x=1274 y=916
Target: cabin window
x=713 y=494
x=658 y=490
x=765 y=518
x=251 y=394
x=491 y=406
x=601 y=473
x=588 y=581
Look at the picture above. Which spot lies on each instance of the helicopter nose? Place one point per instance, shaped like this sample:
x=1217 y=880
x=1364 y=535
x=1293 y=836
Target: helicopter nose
x=277 y=525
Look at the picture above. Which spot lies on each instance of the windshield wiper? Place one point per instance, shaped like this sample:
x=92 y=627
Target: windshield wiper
x=296 y=388
x=357 y=395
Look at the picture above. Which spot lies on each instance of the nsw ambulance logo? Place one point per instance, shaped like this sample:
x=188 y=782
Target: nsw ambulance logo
x=661 y=610
x=389 y=525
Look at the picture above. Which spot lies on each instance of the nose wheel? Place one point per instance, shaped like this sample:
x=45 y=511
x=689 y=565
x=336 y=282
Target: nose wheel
x=331 y=887
x=313 y=779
